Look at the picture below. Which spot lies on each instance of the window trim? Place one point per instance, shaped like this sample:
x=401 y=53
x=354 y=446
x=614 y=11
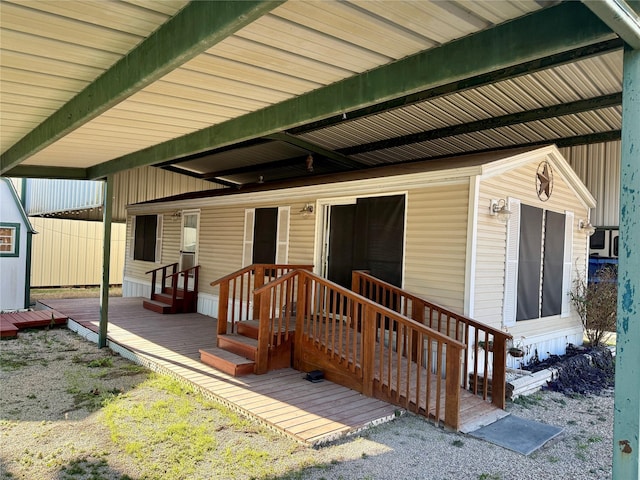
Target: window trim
x=15 y=252
x=512 y=258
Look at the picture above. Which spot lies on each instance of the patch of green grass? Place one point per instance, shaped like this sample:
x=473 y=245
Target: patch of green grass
x=11 y=361
x=100 y=363
x=457 y=443
x=553 y=459
x=572 y=422
x=528 y=401
x=489 y=476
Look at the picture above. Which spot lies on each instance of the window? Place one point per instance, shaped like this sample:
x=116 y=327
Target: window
x=266 y=236
x=538 y=266
x=9 y=239
x=147 y=238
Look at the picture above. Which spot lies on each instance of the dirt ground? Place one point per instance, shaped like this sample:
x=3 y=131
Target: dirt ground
x=69 y=410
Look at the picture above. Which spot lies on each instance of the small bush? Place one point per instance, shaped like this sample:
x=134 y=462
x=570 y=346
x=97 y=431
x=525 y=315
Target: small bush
x=596 y=304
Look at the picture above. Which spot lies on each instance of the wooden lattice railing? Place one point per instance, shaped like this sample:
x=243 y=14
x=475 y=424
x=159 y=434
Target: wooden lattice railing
x=363 y=345
x=235 y=292
x=486 y=359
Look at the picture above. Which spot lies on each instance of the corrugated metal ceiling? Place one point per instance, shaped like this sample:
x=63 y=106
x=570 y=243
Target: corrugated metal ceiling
x=52 y=50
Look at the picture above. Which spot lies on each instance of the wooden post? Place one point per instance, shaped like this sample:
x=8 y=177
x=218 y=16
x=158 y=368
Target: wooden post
x=452 y=388
x=258 y=281
x=368 y=322
x=106 y=261
x=302 y=310
x=499 y=374
x=223 y=307
x=262 y=357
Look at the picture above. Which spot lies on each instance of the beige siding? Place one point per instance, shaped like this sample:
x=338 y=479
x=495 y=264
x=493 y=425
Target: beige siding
x=436 y=238
x=491 y=240
x=69 y=252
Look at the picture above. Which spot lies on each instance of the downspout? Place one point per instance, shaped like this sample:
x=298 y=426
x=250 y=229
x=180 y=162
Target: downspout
x=106 y=260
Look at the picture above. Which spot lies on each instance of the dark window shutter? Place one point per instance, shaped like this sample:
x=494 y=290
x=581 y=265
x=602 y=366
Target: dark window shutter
x=265 y=235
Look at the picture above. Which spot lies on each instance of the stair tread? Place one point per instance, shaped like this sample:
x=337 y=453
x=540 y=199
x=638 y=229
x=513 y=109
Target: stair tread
x=227 y=356
x=234 y=337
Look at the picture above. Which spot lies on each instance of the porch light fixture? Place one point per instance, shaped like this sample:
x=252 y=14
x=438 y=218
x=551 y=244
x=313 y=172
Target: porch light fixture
x=309 y=163
x=499 y=208
x=307 y=210
x=586 y=227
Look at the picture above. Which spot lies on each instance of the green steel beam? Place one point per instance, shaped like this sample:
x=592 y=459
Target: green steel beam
x=556 y=29
x=194 y=29
x=626 y=422
x=525 y=68
x=34 y=171
x=570 y=108
x=311 y=147
x=107 y=210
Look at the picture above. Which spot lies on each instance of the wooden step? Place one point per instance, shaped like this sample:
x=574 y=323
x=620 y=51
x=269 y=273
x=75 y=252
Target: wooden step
x=166 y=298
x=238 y=344
x=227 y=362
x=155 y=306
x=248 y=328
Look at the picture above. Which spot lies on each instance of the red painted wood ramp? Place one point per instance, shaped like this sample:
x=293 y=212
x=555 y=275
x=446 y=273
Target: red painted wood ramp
x=10 y=323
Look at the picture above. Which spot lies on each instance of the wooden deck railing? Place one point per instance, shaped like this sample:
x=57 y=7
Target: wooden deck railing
x=486 y=345
x=189 y=293
x=363 y=345
x=235 y=295
x=163 y=276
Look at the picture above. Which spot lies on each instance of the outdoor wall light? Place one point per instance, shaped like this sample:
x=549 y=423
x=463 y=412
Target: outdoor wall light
x=499 y=208
x=586 y=227
x=309 y=163
x=307 y=210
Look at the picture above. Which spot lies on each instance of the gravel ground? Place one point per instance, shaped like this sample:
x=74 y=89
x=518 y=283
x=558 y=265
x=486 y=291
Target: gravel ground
x=52 y=426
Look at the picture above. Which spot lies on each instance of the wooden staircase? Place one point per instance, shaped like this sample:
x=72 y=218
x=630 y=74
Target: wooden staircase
x=237 y=345
x=173 y=298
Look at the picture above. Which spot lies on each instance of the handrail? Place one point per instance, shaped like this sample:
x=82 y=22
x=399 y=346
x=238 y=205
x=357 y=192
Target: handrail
x=235 y=296
x=162 y=268
x=473 y=333
x=363 y=345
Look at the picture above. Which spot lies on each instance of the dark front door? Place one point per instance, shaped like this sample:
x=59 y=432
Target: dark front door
x=367 y=236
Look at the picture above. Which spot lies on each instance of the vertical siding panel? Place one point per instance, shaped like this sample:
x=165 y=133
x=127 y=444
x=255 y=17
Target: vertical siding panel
x=69 y=252
x=436 y=241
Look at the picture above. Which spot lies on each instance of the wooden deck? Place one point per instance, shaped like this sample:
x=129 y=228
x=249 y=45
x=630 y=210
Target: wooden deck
x=11 y=323
x=312 y=413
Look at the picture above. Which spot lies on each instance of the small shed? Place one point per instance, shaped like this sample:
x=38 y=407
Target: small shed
x=499 y=237
x=15 y=249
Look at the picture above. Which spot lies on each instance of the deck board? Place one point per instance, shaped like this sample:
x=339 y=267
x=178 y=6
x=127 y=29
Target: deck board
x=313 y=413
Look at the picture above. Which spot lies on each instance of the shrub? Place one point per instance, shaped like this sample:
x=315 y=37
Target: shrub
x=596 y=304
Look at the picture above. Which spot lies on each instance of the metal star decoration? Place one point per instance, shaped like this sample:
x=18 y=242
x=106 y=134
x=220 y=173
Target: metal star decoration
x=544 y=181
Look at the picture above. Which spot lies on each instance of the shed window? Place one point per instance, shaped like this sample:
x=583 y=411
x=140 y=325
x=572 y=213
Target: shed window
x=147 y=238
x=9 y=239
x=538 y=266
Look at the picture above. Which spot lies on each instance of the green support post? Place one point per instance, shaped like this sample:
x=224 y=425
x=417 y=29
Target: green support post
x=106 y=260
x=626 y=428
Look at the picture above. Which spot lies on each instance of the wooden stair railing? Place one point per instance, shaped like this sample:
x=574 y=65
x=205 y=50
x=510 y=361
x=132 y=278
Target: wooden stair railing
x=487 y=345
x=362 y=345
x=235 y=294
x=178 y=298
x=164 y=276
